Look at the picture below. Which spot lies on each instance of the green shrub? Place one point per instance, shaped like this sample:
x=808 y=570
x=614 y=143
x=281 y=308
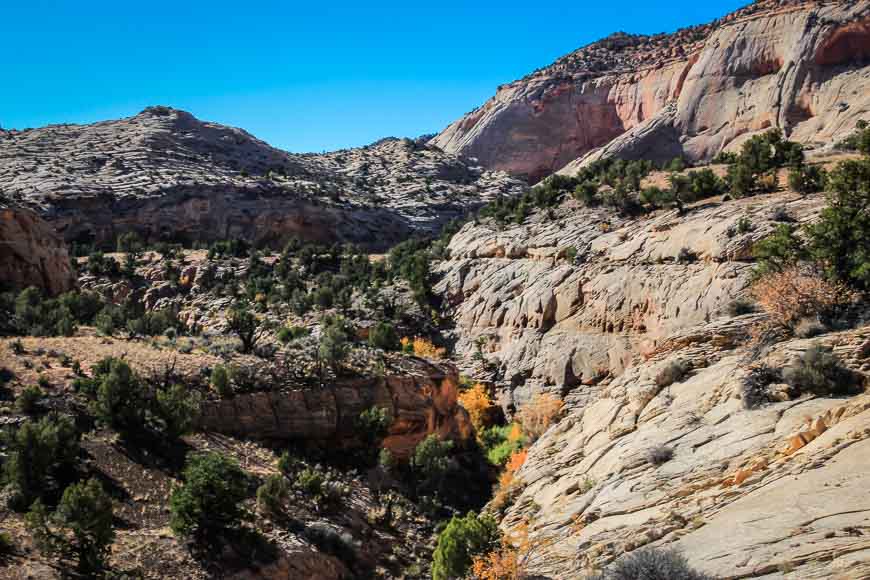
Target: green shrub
x=79 y=531
x=290 y=333
x=245 y=325
x=177 y=409
x=820 y=372
x=498 y=446
x=41 y=455
x=220 y=381
x=840 y=239
x=210 y=499
x=461 y=540
x=272 y=494
x=334 y=342
x=118 y=396
x=431 y=457
x=29 y=399
x=807 y=179
x=779 y=250
x=383 y=335
x=372 y=425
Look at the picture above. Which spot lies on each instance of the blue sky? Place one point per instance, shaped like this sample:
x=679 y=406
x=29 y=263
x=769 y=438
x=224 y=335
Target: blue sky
x=304 y=76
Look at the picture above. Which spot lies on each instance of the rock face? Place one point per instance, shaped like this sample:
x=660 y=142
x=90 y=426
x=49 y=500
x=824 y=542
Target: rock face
x=794 y=64
x=544 y=322
x=169 y=176
x=420 y=396
x=31 y=252
x=777 y=491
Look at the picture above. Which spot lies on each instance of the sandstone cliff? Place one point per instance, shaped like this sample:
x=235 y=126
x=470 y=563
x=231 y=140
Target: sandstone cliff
x=31 y=252
x=421 y=398
x=800 y=66
x=169 y=176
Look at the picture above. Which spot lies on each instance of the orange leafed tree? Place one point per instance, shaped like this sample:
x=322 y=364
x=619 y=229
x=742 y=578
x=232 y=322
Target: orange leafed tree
x=796 y=293
x=478 y=404
x=423 y=348
x=537 y=415
x=509 y=562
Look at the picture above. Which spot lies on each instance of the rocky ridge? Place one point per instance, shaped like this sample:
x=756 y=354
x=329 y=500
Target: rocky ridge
x=800 y=66
x=167 y=175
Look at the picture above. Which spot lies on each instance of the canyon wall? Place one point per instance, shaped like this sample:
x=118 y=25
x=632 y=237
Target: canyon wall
x=800 y=66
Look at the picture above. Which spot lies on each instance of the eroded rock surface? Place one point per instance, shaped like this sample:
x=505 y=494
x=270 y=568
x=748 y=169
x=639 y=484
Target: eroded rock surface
x=31 y=252
x=543 y=321
x=776 y=491
x=167 y=175
x=794 y=64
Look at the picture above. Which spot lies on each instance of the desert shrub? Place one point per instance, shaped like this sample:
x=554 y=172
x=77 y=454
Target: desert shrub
x=334 y=344
x=118 y=396
x=272 y=494
x=806 y=179
x=373 y=424
x=537 y=415
x=740 y=306
x=477 y=402
x=320 y=487
x=383 y=335
x=101 y=265
x=840 y=239
x=331 y=541
x=672 y=372
x=653 y=564
x=210 y=499
x=461 y=540
x=220 y=381
x=176 y=407
x=290 y=333
x=41 y=455
x=686 y=256
x=245 y=325
x=796 y=293
x=431 y=458
x=28 y=400
x=387 y=460
x=79 y=531
x=754 y=169
x=809 y=327
x=819 y=371
x=779 y=250
x=7 y=546
x=754 y=387
x=659 y=455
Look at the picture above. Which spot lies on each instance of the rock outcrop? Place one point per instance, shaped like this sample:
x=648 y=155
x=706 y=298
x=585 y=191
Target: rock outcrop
x=169 y=176
x=776 y=491
x=794 y=64
x=31 y=252
x=546 y=322
x=420 y=396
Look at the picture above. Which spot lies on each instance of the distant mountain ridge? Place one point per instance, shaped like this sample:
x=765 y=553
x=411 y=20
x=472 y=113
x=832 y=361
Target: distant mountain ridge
x=798 y=65
x=168 y=175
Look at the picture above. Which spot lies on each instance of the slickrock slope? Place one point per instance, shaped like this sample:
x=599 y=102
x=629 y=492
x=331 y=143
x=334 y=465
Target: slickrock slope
x=544 y=322
x=774 y=492
x=170 y=176
x=31 y=253
x=798 y=65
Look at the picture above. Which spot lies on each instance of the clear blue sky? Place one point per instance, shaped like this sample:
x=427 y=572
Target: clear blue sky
x=304 y=76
